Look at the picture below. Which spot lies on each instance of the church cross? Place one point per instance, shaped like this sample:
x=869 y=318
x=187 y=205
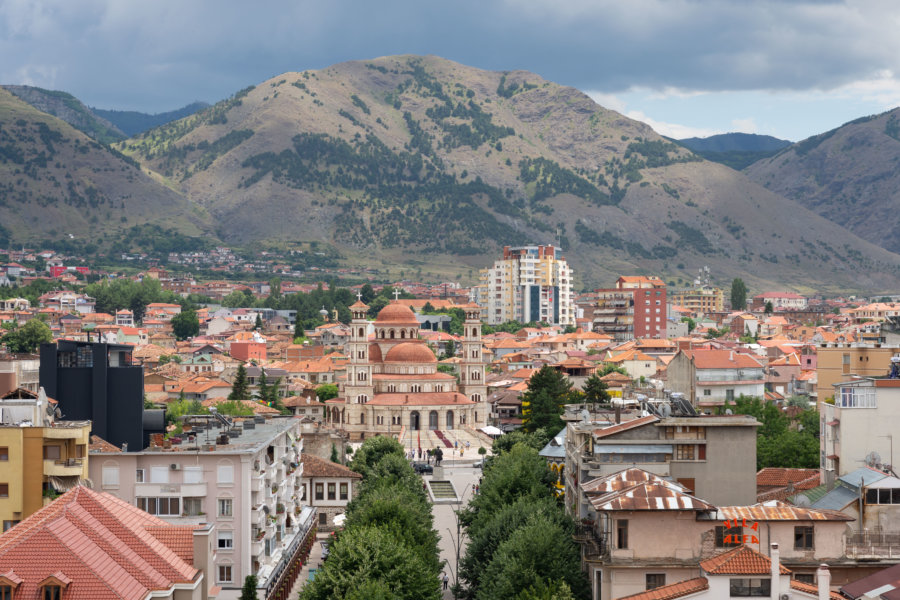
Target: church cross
x=359 y=295
x=396 y=293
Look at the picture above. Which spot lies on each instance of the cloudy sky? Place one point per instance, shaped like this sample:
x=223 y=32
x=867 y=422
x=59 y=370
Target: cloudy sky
x=788 y=68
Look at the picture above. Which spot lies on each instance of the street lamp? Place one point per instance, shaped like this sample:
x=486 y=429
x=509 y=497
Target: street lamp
x=457 y=542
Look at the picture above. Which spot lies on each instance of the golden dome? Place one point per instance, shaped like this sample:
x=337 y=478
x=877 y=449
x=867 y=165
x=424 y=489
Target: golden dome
x=397 y=313
x=410 y=352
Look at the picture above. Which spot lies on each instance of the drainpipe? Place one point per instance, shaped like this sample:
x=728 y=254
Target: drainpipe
x=775 y=588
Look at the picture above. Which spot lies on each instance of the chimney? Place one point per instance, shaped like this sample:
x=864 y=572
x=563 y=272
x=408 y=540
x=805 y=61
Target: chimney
x=618 y=413
x=823 y=581
x=776 y=571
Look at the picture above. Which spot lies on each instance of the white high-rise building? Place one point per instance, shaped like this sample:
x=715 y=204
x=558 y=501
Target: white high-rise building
x=530 y=283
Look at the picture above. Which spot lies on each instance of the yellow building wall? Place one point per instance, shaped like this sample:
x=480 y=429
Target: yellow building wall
x=11 y=473
x=831 y=367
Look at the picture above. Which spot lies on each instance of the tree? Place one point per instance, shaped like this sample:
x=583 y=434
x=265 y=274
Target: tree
x=185 y=325
x=248 y=592
x=450 y=352
x=334 y=454
x=327 y=391
x=240 y=389
x=372 y=451
x=738 y=294
x=690 y=323
x=258 y=324
x=547 y=590
x=28 y=337
x=769 y=309
x=542 y=404
x=371 y=558
x=595 y=390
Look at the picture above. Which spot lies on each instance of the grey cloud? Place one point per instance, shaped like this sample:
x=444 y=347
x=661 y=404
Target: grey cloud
x=162 y=54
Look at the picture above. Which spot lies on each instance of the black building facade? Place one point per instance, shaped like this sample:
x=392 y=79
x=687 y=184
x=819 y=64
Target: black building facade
x=97 y=382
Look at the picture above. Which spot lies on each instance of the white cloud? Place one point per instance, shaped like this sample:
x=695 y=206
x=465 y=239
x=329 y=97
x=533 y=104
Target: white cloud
x=672 y=130
x=744 y=125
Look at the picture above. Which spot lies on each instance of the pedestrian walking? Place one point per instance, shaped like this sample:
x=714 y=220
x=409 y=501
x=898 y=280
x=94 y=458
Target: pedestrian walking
x=446 y=580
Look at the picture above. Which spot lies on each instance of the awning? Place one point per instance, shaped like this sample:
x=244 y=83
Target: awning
x=491 y=430
x=64 y=483
x=833 y=423
x=632 y=449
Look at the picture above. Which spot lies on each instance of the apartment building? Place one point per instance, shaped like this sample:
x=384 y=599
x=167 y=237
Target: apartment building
x=701 y=300
x=635 y=308
x=713 y=457
x=841 y=362
x=243 y=477
x=710 y=378
x=41 y=456
x=530 y=283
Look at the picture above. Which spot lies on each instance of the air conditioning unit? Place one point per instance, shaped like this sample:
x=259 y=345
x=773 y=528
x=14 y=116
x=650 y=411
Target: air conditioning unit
x=785 y=597
x=175 y=467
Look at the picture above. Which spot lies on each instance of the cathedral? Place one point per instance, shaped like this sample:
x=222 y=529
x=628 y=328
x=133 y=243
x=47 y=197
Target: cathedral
x=393 y=386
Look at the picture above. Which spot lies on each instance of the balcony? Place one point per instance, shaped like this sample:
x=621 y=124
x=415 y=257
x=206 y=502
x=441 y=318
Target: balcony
x=62 y=468
x=593 y=545
x=867 y=545
x=191 y=490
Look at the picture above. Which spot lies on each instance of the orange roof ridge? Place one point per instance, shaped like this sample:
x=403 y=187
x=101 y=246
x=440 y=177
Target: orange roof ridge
x=740 y=561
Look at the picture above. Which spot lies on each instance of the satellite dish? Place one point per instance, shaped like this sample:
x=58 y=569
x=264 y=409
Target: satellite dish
x=585 y=415
x=872 y=459
x=728 y=411
x=665 y=410
x=802 y=501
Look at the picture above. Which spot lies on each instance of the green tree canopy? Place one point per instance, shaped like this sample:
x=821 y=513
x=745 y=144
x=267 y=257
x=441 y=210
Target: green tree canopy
x=28 y=337
x=595 y=390
x=327 y=391
x=248 y=591
x=240 y=389
x=372 y=451
x=371 y=558
x=738 y=294
x=185 y=325
x=542 y=404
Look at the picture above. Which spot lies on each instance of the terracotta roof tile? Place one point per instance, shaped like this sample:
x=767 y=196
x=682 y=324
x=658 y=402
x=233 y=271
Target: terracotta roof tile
x=672 y=591
x=313 y=466
x=613 y=429
x=813 y=590
x=98 y=444
x=740 y=561
x=777 y=476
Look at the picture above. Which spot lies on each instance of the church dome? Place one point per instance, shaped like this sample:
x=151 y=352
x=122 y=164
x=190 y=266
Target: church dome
x=410 y=352
x=374 y=353
x=396 y=313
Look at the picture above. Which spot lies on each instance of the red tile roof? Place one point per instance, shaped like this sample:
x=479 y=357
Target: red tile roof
x=103 y=545
x=777 y=476
x=672 y=591
x=813 y=590
x=722 y=359
x=740 y=561
x=313 y=466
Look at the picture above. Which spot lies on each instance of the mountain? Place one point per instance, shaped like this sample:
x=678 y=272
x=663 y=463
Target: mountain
x=848 y=175
x=133 y=122
x=423 y=162
x=67 y=107
x=736 y=150
x=58 y=184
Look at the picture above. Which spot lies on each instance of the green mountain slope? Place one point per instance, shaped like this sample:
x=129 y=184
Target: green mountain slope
x=848 y=175
x=67 y=107
x=736 y=150
x=57 y=183
x=420 y=160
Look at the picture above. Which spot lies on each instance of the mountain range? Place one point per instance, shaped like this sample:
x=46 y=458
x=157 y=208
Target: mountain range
x=421 y=162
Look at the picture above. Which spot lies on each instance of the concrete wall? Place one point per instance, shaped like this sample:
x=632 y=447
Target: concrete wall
x=728 y=475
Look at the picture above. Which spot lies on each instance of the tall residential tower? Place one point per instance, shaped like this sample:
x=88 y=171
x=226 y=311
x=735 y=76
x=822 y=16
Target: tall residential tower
x=530 y=283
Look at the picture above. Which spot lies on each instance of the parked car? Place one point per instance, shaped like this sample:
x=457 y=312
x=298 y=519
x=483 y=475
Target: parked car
x=423 y=468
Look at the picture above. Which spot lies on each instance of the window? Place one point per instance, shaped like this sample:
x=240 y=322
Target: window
x=320 y=491
x=883 y=496
x=51 y=592
x=225 y=474
x=331 y=491
x=139 y=475
x=193 y=506
x=51 y=452
x=225 y=507
x=159 y=474
x=162 y=507
x=193 y=475
x=110 y=477
x=622 y=533
x=803 y=537
x=729 y=538
x=750 y=587
x=303 y=492
x=805 y=578
x=684 y=452
x=7 y=525
x=225 y=540
x=323 y=518
x=655 y=580
x=344 y=491
x=5 y=592
x=224 y=573
x=4 y=453
x=856 y=397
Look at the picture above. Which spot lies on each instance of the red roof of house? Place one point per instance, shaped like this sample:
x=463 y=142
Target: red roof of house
x=778 y=476
x=722 y=359
x=740 y=561
x=105 y=547
x=313 y=466
x=672 y=591
x=607 y=431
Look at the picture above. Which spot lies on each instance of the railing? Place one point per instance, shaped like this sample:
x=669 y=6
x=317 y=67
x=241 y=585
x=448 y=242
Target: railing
x=593 y=545
x=868 y=544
